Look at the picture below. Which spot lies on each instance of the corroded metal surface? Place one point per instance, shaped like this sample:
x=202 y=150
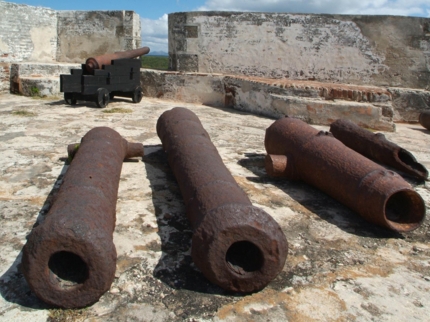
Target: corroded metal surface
x=376 y=147
x=69 y=260
x=236 y=245
x=316 y=157
x=98 y=61
x=424 y=119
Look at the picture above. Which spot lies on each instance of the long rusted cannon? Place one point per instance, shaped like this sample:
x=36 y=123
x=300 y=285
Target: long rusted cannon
x=298 y=151
x=236 y=245
x=69 y=260
x=98 y=61
x=424 y=119
x=377 y=148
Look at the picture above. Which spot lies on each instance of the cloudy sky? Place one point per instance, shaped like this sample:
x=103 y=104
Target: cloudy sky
x=154 y=13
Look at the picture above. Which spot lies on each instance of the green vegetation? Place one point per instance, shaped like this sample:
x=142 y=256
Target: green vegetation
x=59 y=315
x=155 y=62
x=23 y=113
x=118 y=110
x=72 y=153
x=34 y=91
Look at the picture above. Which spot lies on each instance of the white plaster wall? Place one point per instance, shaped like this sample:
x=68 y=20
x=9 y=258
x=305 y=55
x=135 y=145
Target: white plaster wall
x=377 y=50
x=27 y=33
x=84 y=34
x=300 y=50
x=38 y=34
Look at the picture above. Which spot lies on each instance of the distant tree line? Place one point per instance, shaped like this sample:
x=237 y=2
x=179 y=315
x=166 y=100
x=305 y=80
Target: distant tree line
x=155 y=62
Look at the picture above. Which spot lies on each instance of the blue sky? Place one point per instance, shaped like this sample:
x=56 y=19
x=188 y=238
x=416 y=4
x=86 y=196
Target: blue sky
x=153 y=13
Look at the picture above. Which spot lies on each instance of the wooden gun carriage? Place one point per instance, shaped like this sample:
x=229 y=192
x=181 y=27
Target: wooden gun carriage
x=102 y=78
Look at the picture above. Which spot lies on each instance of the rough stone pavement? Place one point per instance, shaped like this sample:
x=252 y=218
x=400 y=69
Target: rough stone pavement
x=339 y=267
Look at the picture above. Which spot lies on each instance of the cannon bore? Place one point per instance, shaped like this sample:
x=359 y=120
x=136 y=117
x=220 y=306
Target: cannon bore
x=297 y=151
x=236 y=245
x=376 y=147
x=98 y=61
x=69 y=260
x=424 y=119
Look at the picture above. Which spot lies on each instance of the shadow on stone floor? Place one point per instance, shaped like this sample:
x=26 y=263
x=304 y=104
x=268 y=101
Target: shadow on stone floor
x=421 y=130
x=79 y=104
x=13 y=286
x=175 y=267
x=89 y=104
x=316 y=201
x=232 y=110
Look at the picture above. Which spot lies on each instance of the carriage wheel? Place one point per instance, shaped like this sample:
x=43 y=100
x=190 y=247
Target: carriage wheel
x=137 y=94
x=70 y=99
x=102 y=99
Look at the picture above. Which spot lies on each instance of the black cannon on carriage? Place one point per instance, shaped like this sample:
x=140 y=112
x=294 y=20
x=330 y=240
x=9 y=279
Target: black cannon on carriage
x=103 y=77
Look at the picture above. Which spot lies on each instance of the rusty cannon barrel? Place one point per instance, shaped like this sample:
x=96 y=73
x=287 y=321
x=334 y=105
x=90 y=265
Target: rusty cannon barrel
x=98 y=61
x=236 y=245
x=69 y=260
x=297 y=151
x=377 y=148
x=424 y=119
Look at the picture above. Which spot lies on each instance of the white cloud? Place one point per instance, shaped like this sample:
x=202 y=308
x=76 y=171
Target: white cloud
x=370 y=7
x=154 y=33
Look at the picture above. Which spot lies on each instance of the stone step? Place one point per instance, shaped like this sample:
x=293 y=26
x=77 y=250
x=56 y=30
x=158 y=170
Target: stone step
x=38 y=79
x=328 y=91
x=4 y=77
x=324 y=112
x=29 y=69
x=313 y=102
x=39 y=86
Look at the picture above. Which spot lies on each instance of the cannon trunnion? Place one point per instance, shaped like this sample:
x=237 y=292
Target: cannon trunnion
x=121 y=78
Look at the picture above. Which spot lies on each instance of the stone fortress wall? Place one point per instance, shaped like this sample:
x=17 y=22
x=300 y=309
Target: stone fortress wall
x=374 y=70
x=42 y=35
x=361 y=50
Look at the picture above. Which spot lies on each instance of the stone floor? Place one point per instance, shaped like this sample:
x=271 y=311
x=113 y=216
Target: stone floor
x=339 y=267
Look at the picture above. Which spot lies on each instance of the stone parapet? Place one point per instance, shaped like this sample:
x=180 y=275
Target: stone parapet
x=27 y=33
x=363 y=50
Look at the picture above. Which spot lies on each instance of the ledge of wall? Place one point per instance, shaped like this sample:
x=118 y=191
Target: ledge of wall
x=315 y=102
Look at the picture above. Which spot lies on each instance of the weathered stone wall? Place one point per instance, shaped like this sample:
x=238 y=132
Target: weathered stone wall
x=4 y=77
x=27 y=33
x=363 y=50
x=83 y=34
x=38 y=34
x=35 y=34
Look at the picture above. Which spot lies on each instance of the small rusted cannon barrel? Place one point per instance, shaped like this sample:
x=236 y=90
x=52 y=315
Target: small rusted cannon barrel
x=298 y=151
x=377 y=148
x=69 y=259
x=98 y=61
x=236 y=245
x=424 y=119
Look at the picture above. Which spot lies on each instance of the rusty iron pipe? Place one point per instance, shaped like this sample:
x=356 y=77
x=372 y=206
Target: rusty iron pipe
x=106 y=59
x=377 y=148
x=297 y=151
x=69 y=260
x=236 y=245
x=424 y=119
